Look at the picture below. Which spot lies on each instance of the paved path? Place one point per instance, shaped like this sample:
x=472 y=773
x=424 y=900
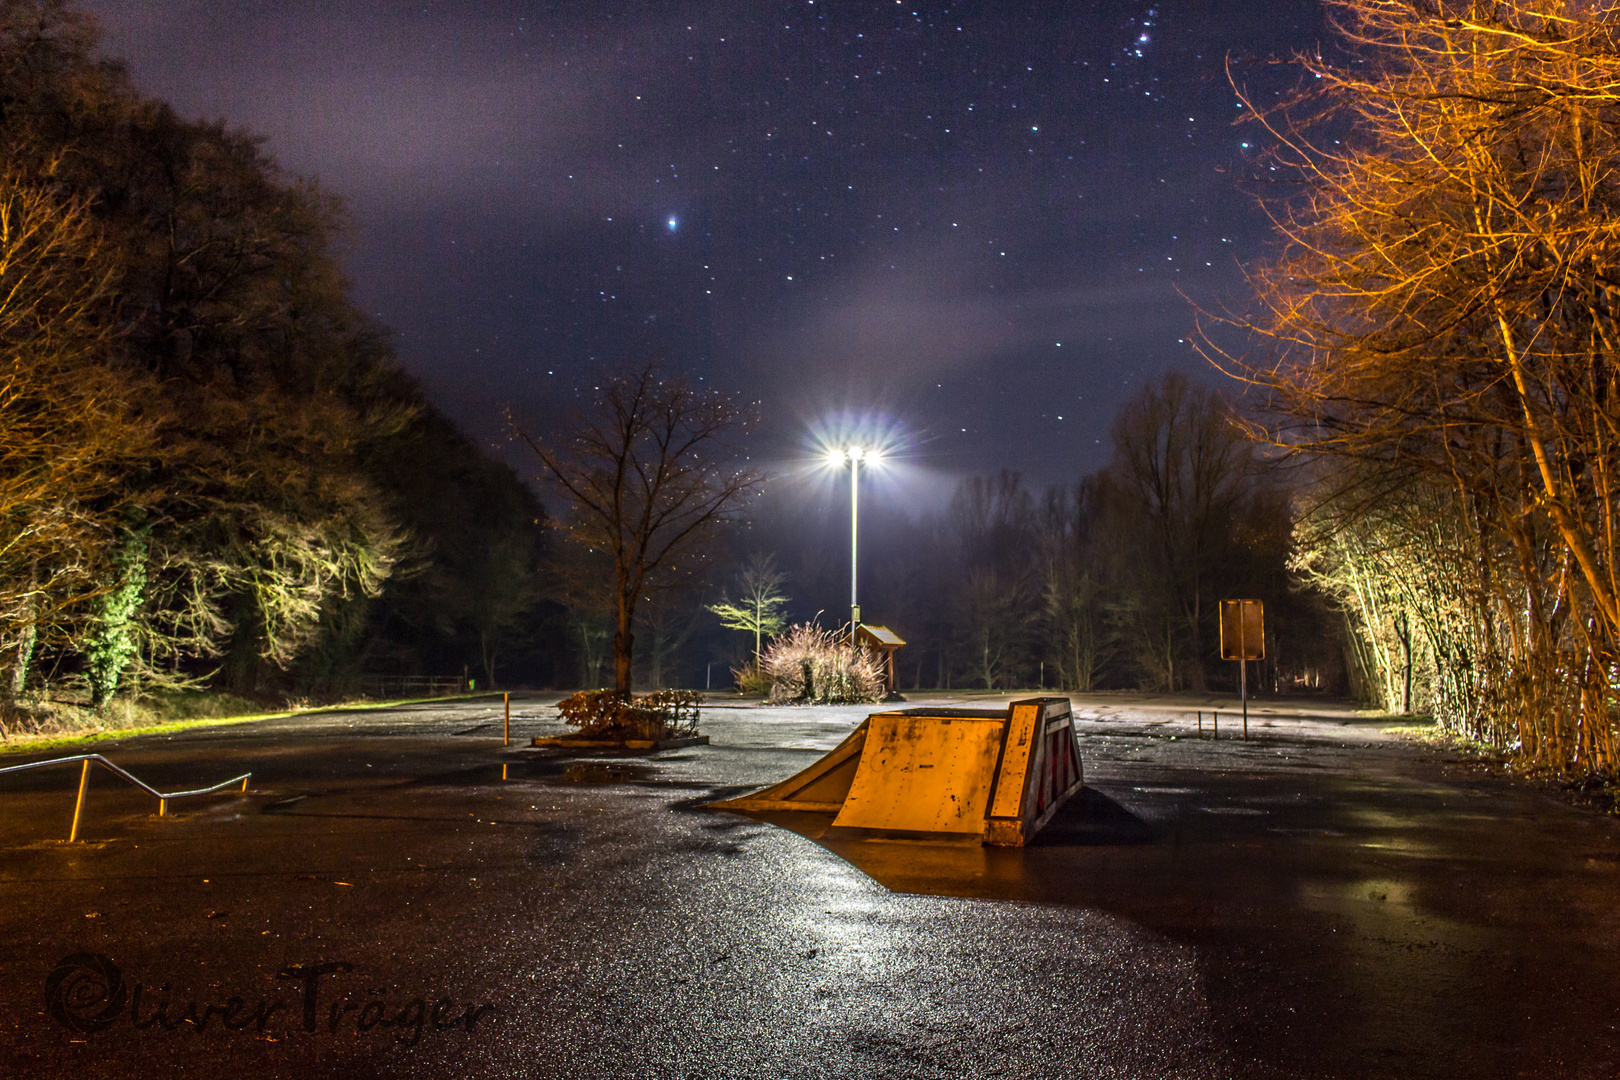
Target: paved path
x=1321 y=901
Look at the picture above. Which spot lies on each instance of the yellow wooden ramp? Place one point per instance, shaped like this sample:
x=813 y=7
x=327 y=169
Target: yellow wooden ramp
x=999 y=775
x=820 y=787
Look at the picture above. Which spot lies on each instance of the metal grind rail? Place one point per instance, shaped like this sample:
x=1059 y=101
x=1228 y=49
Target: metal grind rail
x=162 y=797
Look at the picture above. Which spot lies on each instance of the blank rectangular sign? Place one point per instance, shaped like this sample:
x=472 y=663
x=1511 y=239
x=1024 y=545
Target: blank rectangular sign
x=1243 y=630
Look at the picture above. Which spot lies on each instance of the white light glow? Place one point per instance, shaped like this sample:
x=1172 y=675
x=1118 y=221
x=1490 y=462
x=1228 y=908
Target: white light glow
x=843 y=455
x=869 y=443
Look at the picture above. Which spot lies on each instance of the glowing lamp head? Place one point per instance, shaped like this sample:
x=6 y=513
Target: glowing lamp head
x=846 y=455
x=853 y=455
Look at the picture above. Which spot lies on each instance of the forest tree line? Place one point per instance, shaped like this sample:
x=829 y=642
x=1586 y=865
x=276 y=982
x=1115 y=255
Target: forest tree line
x=213 y=471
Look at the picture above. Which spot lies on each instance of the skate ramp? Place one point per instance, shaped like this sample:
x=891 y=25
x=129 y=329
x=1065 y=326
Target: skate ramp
x=998 y=775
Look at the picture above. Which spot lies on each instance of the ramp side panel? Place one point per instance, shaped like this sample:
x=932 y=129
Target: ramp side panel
x=821 y=786
x=1050 y=772
x=1023 y=740
x=1059 y=775
x=1067 y=783
x=924 y=774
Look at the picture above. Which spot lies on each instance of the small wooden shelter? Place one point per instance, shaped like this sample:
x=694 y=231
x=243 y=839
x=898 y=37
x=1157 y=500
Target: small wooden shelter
x=881 y=640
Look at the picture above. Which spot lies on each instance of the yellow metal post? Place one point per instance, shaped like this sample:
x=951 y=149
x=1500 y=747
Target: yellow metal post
x=78 y=806
x=163 y=807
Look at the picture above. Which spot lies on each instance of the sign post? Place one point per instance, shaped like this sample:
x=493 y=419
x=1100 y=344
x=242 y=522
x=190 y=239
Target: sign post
x=1243 y=638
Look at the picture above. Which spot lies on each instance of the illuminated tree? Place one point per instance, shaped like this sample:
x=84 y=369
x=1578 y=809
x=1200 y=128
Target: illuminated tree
x=183 y=362
x=761 y=602
x=1444 y=311
x=66 y=430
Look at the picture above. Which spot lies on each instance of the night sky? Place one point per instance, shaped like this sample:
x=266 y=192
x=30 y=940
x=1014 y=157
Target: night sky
x=962 y=227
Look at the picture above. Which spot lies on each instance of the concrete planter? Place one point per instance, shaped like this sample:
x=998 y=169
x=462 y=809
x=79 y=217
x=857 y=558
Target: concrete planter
x=585 y=742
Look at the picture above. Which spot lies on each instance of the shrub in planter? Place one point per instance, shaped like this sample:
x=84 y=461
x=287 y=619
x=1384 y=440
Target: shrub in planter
x=604 y=714
x=677 y=711
x=751 y=680
x=811 y=665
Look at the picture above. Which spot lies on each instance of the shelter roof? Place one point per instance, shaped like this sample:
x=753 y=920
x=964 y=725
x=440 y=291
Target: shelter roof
x=880 y=636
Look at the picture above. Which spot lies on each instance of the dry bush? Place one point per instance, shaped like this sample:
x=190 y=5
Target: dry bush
x=664 y=714
x=811 y=665
x=751 y=680
x=678 y=710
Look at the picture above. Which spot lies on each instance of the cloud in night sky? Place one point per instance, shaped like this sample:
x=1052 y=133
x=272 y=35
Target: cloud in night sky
x=396 y=109
x=931 y=319
x=908 y=209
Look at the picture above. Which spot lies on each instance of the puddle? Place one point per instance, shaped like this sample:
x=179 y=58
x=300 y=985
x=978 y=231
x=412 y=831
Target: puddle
x=579 y=772
x=604 y=772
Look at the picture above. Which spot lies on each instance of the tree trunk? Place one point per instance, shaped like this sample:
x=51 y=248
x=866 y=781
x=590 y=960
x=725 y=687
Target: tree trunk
x=30 y=635
x=1405 y=634
x=623 y=644
x=25 y=655
x=488 y=651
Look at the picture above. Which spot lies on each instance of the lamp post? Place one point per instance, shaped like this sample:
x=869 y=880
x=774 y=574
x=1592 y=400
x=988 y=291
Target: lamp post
x=854 y=455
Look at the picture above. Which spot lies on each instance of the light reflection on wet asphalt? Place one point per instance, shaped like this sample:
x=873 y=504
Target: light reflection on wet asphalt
x=1320 y=901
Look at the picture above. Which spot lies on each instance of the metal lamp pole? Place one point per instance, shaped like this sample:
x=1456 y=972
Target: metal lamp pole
x=854 y=519
x=854 y=455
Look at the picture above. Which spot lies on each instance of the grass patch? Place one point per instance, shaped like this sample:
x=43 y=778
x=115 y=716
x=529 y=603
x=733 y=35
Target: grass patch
x=32 y=743
x=1420 y=732
x=166 y=706
x=174 y=711
x=1431 y=734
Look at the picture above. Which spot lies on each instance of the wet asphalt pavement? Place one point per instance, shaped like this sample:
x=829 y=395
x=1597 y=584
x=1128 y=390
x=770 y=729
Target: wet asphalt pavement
x=1321 y=901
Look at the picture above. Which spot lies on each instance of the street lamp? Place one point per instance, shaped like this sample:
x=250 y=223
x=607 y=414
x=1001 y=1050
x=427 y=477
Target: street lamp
x=854 y=455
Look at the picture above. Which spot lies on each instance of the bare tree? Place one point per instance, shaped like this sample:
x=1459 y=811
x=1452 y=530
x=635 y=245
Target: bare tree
x=651 y=474
x=991 y=521
x=1073 y=586
x=1180 y=480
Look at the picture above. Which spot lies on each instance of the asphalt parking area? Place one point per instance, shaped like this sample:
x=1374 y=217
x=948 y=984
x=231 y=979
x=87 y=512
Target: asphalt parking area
x=398 y=895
